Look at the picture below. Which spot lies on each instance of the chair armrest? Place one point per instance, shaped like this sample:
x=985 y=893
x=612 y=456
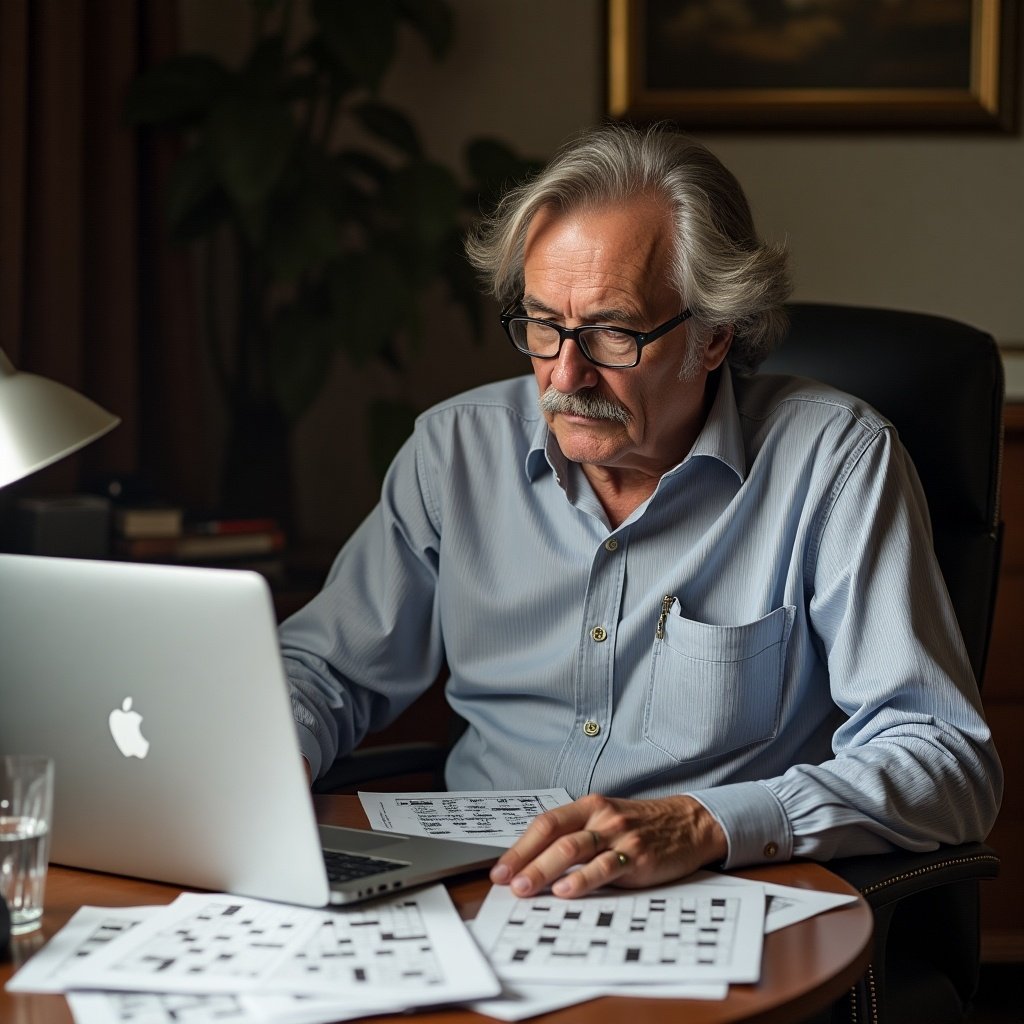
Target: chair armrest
x=924 y=966
x=885 y=879
x=373 y=763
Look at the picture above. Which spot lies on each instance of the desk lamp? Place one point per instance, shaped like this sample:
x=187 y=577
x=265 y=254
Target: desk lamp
x=41 y=421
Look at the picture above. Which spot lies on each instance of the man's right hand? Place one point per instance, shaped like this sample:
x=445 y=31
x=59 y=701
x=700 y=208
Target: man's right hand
x=630 y=843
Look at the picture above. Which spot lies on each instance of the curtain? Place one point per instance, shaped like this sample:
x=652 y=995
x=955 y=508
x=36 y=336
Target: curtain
x=90 y=293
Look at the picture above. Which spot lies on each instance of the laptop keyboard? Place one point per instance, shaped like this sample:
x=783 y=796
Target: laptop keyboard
x=343 y=867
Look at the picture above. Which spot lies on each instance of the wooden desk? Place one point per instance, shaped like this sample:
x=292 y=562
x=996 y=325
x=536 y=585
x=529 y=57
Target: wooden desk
x=805 y=967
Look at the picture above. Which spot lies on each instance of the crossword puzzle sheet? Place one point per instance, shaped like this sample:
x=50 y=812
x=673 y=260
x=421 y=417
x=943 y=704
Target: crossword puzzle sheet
x=495 y=818
x=153 y=1008
x=88 y=931
x=91 y=928
x=180 y=1008
x=406 y=949
x=674 y=933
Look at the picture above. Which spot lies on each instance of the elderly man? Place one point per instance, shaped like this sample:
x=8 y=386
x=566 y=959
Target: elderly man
x=702 y=600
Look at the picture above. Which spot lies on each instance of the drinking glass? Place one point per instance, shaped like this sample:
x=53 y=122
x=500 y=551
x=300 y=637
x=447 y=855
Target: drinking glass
x=26 y=816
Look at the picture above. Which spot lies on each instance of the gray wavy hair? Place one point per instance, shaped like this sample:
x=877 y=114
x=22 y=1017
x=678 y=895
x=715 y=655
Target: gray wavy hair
x=721 y=269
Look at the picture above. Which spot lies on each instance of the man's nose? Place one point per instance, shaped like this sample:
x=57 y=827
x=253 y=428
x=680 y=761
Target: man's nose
x=573 y=371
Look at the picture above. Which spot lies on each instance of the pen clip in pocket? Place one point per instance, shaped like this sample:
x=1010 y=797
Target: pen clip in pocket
x=666 y=606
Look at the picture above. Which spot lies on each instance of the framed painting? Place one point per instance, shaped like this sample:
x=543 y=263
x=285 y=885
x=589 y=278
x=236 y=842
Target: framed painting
x=833 y=64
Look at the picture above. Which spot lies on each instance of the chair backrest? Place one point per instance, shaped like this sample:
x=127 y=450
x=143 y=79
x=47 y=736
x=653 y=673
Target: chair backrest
x=940 y=383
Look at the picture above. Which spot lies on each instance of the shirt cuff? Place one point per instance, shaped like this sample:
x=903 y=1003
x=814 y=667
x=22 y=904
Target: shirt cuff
x=309 y=748
x=755 y=825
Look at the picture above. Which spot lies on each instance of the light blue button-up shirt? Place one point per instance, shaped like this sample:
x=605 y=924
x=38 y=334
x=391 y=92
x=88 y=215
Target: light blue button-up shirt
x=768 y=632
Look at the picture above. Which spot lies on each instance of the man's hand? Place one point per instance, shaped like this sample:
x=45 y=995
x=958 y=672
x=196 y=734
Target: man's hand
x=632 y=843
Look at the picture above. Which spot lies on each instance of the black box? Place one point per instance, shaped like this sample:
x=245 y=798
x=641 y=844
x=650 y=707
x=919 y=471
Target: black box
x=77 y=526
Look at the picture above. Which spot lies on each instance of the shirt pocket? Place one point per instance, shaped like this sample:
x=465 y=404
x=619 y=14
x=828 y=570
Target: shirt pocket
x=714 y=689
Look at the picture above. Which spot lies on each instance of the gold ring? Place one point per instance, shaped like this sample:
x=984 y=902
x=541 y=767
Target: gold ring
x=621 y=858
x=596 y=838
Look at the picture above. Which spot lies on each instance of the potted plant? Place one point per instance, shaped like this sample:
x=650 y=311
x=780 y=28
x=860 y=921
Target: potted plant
x=335 y=219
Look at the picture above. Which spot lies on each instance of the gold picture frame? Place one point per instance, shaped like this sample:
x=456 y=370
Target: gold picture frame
x=949 y=65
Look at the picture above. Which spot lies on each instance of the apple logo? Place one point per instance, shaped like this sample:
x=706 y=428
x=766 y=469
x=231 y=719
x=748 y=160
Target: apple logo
x=125 y=727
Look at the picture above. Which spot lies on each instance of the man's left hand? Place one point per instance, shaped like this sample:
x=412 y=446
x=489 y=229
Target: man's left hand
x=631 y=843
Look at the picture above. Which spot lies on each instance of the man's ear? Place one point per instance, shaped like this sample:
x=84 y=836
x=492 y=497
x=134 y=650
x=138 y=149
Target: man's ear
x=718 y=347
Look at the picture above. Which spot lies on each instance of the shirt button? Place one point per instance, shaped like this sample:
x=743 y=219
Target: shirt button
x=771 y=849
x=599 y=634
x=591 y=728
x=611 y=544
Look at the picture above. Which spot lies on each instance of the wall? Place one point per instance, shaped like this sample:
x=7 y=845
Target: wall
x=923 y=221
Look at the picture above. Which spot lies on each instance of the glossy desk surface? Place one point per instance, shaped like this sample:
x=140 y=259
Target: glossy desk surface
x=806 y=966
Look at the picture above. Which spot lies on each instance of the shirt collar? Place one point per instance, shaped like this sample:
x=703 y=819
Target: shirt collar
x=720 y=438
x=544 y=453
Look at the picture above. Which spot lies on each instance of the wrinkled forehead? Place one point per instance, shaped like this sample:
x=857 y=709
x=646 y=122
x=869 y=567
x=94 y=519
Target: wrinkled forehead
x=616 y=256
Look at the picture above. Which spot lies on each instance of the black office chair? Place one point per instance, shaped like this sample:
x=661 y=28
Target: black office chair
x=941 y=384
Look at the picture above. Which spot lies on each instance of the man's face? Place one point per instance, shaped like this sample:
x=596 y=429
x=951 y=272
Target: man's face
x=611 y=266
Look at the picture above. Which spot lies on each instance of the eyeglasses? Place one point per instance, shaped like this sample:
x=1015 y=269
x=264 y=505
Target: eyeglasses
x=615 y=348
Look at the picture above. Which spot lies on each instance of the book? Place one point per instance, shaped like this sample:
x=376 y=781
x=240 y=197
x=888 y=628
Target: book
x=199 y=547
x=229 y=545
x=234 y=525
x=148 y=521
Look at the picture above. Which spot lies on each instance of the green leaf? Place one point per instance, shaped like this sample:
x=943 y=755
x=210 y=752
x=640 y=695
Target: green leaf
x=304 y=87
x=426 y=197
x=249 y=141
x=350 y=207
x=391 y=423
x=195 y=201
x=433 y=20
x=365 y=169
x=371 y=298
x=361 y=33
x=301 y=351
x=494 y=167
x=180 y=89
x=250 y=222
x=391 y=125
x=324 y=61
x=264 y=67
x=301 y=234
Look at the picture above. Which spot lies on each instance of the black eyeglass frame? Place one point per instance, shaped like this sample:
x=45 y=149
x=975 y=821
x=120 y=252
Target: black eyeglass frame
x=642 y=338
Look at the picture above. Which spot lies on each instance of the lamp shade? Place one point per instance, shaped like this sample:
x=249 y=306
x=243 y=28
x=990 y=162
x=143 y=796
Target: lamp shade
x=41 y=421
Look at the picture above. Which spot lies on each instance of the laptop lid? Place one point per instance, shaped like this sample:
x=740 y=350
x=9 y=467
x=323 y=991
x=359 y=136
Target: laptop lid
x=160 y=694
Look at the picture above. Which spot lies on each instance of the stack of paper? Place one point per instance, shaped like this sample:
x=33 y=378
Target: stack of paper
x=211 y=957
x=236 y=959
x=676 y=941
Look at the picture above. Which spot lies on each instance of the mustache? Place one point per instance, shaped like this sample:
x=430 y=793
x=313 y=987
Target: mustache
x=583 y=403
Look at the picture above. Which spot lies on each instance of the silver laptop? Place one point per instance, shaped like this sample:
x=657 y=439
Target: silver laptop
x=160 y=693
